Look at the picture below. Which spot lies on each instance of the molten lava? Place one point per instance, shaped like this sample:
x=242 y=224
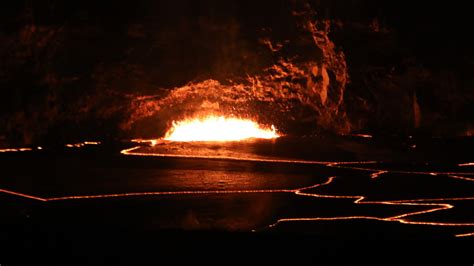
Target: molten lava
x=218 y=128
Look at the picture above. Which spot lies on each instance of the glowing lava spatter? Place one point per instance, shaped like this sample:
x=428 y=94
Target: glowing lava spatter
x=218 y=128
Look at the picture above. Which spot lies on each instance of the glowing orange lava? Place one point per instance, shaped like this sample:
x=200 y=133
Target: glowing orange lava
x=82 y=144
x=218 y=128
x=15 y=149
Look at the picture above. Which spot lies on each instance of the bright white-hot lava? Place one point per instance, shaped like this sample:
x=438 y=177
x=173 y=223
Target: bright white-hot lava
x=218 y=128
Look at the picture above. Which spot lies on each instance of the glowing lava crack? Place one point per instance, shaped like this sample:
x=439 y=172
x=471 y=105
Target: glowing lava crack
x=218 y=128
x=432 y=205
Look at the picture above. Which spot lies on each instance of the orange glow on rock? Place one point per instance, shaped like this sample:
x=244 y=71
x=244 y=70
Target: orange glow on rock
x=218 y=128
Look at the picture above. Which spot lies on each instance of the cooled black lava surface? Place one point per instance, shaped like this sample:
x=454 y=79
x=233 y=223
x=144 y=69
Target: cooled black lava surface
x=197 y=205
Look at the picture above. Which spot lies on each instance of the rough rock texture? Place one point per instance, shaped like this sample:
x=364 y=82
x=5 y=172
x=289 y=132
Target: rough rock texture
x=83 y=69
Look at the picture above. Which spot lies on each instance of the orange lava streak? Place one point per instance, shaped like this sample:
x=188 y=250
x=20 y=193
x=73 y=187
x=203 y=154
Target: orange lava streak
x=462 y=177
x=377 y=174
x=201 y=192
x=439 y=207
x=299 y=191
x=325 y=219
x=452 y=174
x=465 y=235
x=158 y=193
x=22 y=195
x=15 y=149
x=131 y=152
x=367 y=136
x=82 y=144
x=430 y=200
x=360 y=200
x=152 y=142
x=218 y=128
